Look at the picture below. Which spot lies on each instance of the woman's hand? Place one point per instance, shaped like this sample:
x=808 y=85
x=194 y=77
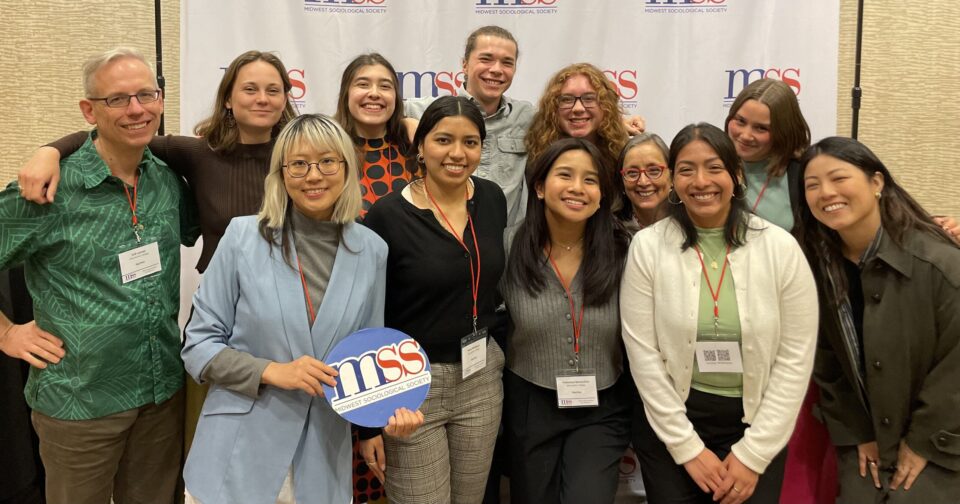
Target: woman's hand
x=403 y=423
x=739 y=483
x=372 y=452
x=949 y=224
x=38 y=178
x=869 y=456
x=706 y=470
x=305 y=373
x=634 y=125
x=909 y=466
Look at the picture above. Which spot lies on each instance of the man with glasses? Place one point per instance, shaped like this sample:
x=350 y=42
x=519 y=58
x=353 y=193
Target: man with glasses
x=103 y=268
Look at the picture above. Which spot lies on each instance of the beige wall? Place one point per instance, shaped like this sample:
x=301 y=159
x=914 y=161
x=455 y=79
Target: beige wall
x=910 y=114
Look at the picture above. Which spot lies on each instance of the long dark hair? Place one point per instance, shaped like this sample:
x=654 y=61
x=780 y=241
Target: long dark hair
x=735 y=228
x=220 y=129
x=441 y=108
x=899 y=212
x=396 y=130
x=605 y=241
x=789 y=132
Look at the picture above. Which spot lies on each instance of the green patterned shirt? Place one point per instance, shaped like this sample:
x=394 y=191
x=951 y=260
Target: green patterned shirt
x=122 y=341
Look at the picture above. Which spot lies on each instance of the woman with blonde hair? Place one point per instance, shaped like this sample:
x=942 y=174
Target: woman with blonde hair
x=282 y=289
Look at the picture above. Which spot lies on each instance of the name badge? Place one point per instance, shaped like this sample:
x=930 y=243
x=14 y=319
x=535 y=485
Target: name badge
x=473 y=352
x=139 y=262
x=577 y=390
x=719 y=357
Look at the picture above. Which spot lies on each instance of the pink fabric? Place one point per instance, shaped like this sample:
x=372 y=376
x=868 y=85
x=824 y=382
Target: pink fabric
x=811 y=473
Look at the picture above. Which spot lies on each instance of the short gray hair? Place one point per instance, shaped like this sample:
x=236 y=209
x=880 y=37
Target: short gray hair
x=98 y=61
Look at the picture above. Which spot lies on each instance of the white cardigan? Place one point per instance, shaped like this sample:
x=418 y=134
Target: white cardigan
x=777 y=301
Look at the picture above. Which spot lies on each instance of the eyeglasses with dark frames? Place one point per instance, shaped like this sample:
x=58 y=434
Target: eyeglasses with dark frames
x=122 y=100
x=567 y=101
x=326 y=166
x=653 y=172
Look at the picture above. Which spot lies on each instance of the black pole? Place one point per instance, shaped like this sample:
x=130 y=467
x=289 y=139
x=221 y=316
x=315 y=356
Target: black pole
x=160 y=80
x=856 y=93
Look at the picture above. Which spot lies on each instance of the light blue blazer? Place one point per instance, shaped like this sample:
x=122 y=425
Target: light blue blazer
x=253 y=301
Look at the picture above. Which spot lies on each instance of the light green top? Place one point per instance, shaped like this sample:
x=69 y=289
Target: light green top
x=713 y=249
x=774 y=206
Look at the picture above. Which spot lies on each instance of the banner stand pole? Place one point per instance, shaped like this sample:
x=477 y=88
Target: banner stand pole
x=857 y=92
x=159 y=42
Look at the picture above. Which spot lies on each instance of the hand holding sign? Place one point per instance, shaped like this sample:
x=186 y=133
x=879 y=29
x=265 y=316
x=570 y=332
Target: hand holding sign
x=306 y=374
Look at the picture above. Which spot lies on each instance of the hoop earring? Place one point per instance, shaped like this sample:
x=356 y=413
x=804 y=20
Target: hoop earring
x=420 y=159
x=674 y=194
x=229 y=120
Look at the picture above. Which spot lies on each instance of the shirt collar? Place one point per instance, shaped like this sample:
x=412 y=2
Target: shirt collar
x=506 y=104
x=95 y=170
x=884 y=249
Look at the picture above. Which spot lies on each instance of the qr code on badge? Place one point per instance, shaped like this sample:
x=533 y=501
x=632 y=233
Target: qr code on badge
x=723 y=355
x=710 y=355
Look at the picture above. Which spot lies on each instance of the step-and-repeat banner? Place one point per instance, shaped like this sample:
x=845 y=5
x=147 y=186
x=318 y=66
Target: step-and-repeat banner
x=672 y=61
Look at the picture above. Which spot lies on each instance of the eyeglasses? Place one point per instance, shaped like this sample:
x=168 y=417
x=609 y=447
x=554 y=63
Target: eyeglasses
x=122 y=100
x=567 y=101
x=633 y=174
x=300 y=168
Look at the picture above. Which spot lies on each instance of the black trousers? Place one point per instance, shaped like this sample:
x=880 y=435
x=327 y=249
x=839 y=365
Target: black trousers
x=564 y=455
x=717 y=420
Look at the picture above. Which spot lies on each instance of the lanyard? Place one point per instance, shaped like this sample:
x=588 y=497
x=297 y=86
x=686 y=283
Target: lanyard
x=577 y=323
x=133 y=206
x=306 y=293
x=714 y=294
x=474 y=274
x=759 y=196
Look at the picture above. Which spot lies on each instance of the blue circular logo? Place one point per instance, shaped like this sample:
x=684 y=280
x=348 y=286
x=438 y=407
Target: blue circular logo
x=380 y=370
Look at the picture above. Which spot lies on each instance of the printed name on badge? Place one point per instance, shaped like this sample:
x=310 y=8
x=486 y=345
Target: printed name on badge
x=139 y=262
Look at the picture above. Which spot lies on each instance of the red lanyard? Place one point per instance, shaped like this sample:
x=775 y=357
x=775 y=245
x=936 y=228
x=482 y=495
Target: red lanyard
x=759 y=196
x=474 y=275
x=133 y=204
x=714 y=294
x=576 y=322
x=306 y=293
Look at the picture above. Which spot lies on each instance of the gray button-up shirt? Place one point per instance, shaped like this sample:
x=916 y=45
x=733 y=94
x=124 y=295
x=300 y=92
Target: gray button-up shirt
x=504 y=156
x=541 y=333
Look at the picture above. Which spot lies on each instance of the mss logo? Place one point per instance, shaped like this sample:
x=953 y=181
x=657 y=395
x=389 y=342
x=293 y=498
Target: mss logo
x=377 y=368
x=739 y=78
x=416 y=84
x=625 y=82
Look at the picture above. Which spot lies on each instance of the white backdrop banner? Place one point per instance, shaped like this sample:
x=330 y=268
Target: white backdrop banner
x=673 y=61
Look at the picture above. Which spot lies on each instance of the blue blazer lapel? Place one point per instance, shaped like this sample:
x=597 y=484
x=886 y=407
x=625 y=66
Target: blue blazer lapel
x=296 y=325
x=330 y=317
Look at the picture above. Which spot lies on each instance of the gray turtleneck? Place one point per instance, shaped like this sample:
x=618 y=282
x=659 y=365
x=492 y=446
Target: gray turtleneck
x=316 y=244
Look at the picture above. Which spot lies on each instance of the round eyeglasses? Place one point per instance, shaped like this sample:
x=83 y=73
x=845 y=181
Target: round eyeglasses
x=300 y=168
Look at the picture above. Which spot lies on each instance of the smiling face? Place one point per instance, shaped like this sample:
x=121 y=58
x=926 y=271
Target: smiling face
x=571 y=192
x=489 y=69
x=257 y=101
x=372 y=99
x=646 y=194
x=314 y=195
x=451 y=151
x=130 y=127
x=841 y=195
x=703 y=184
x=750 y=131
x=579 y=121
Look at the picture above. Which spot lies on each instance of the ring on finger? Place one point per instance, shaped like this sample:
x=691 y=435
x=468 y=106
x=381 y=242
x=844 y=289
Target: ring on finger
x=735 y=489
